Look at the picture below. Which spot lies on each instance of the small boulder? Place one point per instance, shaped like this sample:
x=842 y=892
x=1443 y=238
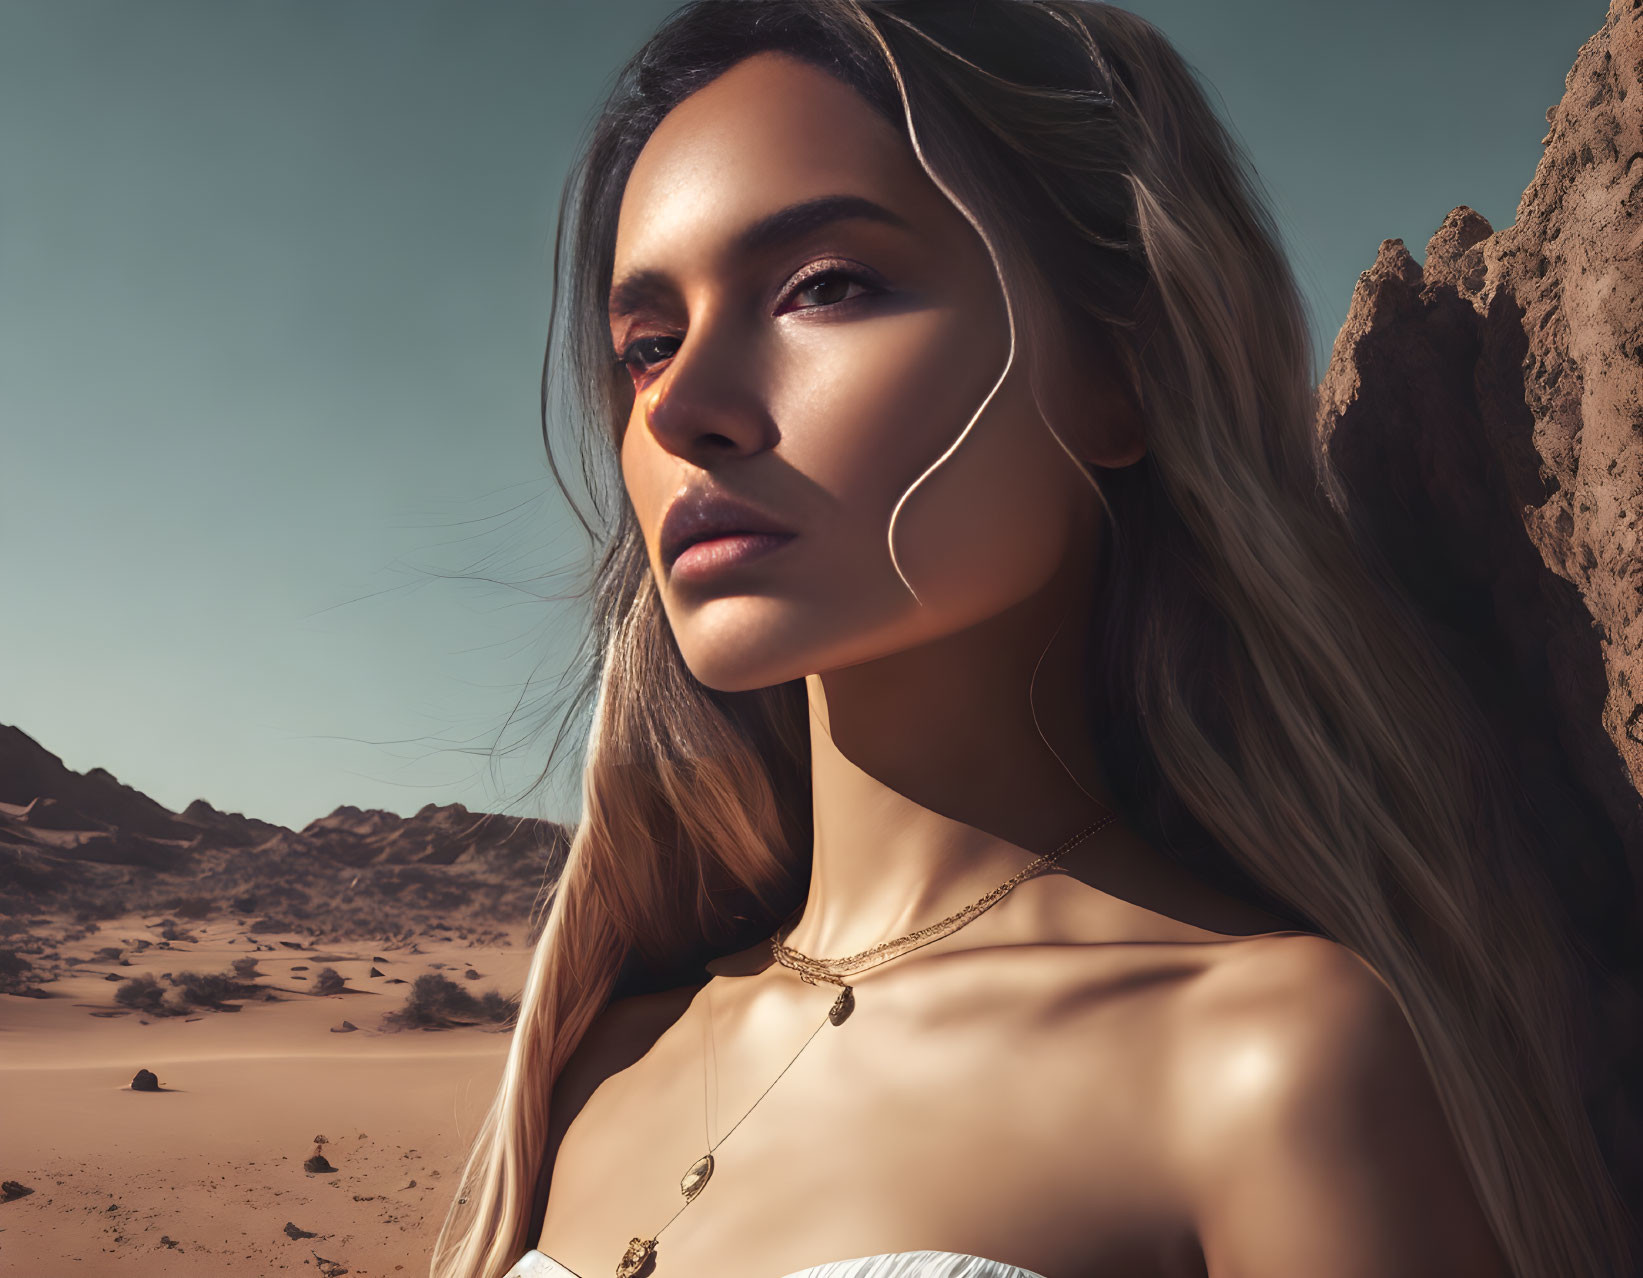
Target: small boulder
x=10 y=1189
x=347 y=1027
x=330 y=981
x=317 y=1162
x=470 y=975
x=374 y=972
x=291 y=1231
x=144 y=1081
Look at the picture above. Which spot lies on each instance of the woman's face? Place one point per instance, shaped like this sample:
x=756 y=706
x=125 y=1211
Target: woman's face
x=809 y=324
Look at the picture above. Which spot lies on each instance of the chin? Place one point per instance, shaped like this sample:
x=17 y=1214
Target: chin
x=741 y=671
x=741 y=643
x=737 y=654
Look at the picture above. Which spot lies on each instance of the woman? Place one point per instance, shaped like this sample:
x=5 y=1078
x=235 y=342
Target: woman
x=971 y=605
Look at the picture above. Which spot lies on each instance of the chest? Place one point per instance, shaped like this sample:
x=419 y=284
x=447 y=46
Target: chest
x=1013 y=1115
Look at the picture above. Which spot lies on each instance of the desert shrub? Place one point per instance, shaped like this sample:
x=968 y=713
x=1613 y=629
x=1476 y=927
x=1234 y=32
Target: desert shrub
x=142 y=994
x=494 y=1007
x=245 y=967
x=329 y=981
x=15 y=972
x=210 y=988
x=193 y=989
x=436 y=1001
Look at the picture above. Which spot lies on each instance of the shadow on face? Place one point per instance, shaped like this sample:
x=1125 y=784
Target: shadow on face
x=810 y=324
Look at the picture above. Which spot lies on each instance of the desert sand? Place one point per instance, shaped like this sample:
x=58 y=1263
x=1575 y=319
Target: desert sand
x=203 y=1176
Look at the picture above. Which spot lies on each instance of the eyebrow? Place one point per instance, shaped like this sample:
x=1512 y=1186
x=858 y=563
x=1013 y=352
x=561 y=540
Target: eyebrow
x=638 y=289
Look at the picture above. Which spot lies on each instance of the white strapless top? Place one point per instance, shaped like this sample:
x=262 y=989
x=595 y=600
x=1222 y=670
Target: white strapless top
x=889 y=1264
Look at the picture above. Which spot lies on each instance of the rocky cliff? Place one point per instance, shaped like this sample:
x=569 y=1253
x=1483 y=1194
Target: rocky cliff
x=1483 y=410
x=87 y=843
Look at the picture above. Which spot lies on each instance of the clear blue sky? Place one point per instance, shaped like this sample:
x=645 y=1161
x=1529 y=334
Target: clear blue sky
x=273 y=290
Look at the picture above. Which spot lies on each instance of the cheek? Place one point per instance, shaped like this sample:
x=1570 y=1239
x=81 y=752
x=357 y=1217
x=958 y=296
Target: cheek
x=866 y=407
x=876 y=404
x=649 y=481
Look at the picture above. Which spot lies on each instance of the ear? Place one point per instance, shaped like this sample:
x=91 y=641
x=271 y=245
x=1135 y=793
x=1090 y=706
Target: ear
x=1087 y=397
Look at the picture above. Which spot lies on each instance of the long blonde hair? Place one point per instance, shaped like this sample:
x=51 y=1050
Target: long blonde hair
x=1271 y=710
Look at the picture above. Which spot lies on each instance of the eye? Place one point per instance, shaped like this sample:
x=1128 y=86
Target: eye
x=829 y=287
x=637 y=356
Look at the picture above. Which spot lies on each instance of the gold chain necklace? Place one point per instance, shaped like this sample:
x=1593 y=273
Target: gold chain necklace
x=811 y=970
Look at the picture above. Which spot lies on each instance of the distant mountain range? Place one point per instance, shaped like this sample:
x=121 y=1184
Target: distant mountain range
x=86 y=842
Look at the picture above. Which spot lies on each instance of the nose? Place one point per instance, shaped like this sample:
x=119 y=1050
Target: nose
x=706 y=405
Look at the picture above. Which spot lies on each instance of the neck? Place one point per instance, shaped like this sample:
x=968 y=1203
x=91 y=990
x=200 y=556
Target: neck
x=931 y=781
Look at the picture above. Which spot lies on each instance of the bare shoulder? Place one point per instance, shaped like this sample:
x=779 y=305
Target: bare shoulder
x=1312 y=1001
x=628 y=1026
x=1305 y=1119
x=622 y=1032
x=1280 y=1026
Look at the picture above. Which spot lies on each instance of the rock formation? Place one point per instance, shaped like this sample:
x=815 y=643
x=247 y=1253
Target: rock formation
x=145 y=1081
x=1484 y=413
x=89 y=842
x=316 y=1163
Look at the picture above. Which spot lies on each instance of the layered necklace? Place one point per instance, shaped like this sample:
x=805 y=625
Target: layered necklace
x=834 y=971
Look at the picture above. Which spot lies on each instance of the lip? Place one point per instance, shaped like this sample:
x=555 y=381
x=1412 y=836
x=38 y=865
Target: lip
x=702 y=561
x=729 y=529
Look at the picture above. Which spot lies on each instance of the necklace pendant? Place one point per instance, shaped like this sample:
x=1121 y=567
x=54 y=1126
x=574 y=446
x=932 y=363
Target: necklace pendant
x=696 y=1177
x=843 y=1005
x=639 y=1251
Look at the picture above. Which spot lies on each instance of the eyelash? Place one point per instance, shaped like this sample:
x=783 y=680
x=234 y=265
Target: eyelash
x=627 y=358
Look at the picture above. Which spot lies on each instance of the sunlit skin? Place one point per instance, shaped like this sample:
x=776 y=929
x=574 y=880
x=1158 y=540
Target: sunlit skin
x=1112 y=1071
